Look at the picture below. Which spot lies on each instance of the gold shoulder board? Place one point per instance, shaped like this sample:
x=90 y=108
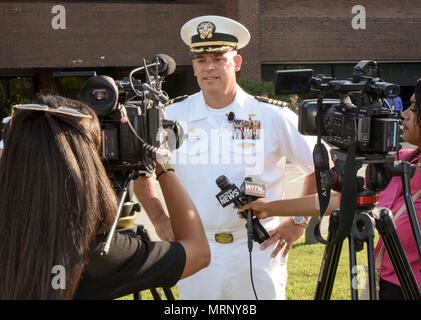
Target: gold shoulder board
x=177 y=99
x=272 y=101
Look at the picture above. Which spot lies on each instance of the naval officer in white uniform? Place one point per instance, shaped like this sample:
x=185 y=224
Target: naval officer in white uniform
x=229 y=132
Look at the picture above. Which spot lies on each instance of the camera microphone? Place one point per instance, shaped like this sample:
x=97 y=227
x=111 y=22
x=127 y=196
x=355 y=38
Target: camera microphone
x=166 y=64
x=161 y=63
x=231 y=117
x=158 y=94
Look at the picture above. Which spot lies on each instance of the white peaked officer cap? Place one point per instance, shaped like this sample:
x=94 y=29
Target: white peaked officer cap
x=209 y=34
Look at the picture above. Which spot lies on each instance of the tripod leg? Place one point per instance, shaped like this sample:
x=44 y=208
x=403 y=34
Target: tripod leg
x=362 y=232
x=352 y=267
x=386 y=228
x=371 y=267
x=168 y=294
x=155 y=294
x=329 y=264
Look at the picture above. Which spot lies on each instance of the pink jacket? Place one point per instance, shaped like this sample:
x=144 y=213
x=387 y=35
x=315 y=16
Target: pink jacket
x=393 y=199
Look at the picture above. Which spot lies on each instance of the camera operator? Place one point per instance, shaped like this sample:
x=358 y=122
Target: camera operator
x=57 y=204
x=392 y=197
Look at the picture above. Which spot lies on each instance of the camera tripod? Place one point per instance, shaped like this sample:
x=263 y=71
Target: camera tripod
x=366 y=219
x=125 y=224
x=363 y=232
x=142 y=232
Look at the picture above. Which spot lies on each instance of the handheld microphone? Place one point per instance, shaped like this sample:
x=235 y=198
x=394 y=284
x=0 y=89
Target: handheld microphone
x=229 y=193
x=253 y=190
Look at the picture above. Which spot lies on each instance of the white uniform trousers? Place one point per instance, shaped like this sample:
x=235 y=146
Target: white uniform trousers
x=228 y=275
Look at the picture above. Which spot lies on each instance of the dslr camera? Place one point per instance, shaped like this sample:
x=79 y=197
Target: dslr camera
x=359 y=105
x=129 y=110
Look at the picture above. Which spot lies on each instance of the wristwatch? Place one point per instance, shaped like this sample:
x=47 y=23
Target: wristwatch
x=301 y=221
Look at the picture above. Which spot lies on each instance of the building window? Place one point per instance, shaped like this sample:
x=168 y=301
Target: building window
x=69 y=83
x=15 y=90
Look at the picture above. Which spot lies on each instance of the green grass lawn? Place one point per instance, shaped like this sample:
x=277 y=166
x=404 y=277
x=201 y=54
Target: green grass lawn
x=304 y=267
x=303 y=270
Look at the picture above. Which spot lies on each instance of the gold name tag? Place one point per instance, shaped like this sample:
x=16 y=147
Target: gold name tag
x=224 y=237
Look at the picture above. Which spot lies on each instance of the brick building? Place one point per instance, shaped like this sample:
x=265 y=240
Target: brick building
x=112 y=37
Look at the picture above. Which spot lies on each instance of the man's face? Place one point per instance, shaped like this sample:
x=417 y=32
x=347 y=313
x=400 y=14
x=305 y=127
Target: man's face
x=215 y=72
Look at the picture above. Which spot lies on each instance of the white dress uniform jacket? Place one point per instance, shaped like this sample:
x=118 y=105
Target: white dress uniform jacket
x=256 y=144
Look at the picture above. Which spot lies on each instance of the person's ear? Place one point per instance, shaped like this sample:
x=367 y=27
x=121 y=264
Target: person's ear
x=194 y=68
x=238 y=61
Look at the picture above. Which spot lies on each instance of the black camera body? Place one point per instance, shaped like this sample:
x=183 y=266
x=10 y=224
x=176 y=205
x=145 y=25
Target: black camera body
x=376 y=127
x=133 y=133
x=120 y=146
x=119 y=142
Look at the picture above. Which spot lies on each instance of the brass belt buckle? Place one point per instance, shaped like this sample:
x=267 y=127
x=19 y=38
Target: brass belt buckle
x=224 y=237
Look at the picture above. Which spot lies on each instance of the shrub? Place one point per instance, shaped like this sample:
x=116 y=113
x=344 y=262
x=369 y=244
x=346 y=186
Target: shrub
x=264 y=88
x=261 y=88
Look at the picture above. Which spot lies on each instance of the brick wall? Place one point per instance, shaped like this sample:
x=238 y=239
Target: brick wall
x=321 y=31
x=119 y=34
x=249 y=15
x=97 y=35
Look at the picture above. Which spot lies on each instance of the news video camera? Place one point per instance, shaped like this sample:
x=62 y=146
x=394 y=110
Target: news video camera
x=134 y=133
x=364 y=132
x=377 y=127
x=361 y=128
x=129 y=112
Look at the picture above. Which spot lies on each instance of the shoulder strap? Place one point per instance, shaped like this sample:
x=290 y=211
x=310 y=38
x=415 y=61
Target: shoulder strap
x=177 y=99
x=272 y=101
x=401 y=210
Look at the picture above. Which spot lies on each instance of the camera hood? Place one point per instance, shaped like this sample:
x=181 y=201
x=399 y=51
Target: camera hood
x=101 y=94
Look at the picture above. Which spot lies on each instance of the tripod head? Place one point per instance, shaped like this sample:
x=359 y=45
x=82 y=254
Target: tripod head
x=358 y=193
x=358 y=216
